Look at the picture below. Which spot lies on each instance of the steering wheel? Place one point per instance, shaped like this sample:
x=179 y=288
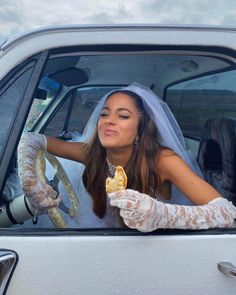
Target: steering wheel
x=60 y=175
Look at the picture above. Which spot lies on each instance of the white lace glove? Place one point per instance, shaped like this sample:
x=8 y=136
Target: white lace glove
x=40 y=194
x=146 y=214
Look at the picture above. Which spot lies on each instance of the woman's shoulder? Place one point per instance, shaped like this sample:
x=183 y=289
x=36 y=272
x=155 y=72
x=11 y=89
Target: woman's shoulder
x=167 y=162
x=166 y=155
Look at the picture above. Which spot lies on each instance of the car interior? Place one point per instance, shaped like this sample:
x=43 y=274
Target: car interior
x=197 y=85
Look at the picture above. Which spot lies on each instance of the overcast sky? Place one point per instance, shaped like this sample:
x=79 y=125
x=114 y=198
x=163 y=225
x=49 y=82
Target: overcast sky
x=17 y=16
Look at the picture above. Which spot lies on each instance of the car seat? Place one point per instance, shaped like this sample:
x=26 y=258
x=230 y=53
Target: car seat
x=217 y=155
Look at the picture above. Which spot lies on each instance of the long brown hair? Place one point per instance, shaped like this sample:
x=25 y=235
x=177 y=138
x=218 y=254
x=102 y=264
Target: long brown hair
x=141 y=169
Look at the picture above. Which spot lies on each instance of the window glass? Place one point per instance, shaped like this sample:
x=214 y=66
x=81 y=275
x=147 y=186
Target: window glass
x=194 y=102
x=10 y=96
x=46 y=91
x=56 y=124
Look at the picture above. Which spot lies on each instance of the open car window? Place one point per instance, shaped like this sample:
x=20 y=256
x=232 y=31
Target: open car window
x=197 y=87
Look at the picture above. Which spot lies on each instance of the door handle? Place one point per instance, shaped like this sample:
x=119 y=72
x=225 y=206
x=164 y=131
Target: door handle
x=227 y=268
x=8 y=261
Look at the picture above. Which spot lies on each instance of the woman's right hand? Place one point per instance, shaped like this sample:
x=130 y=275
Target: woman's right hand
x=39 y=193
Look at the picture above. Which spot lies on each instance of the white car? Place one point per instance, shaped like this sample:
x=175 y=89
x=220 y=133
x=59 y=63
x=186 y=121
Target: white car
x=50 y=81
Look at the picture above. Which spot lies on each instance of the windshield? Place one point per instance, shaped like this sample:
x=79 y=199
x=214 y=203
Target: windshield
x=47 y=90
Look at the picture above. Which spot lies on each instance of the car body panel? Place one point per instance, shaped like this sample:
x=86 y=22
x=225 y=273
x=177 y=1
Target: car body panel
x=121 y=265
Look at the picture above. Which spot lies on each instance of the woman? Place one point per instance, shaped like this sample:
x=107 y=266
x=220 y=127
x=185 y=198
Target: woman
x=138 y=132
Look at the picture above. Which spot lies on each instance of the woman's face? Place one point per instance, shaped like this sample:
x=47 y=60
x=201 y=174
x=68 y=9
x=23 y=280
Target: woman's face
x=118 y=122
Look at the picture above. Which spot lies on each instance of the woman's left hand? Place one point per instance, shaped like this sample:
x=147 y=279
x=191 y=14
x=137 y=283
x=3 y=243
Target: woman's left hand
x=138 y=210
x=142 y=212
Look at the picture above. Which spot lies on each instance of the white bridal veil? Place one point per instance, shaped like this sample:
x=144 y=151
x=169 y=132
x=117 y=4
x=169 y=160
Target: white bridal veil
x=170 y=134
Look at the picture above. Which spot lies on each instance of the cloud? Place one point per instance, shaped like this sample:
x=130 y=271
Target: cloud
x=22 y=15
x=10 y=17
x=188 y=12
x=119 y=13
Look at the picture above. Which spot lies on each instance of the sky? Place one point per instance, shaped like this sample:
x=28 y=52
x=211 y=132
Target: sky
x=18 y=16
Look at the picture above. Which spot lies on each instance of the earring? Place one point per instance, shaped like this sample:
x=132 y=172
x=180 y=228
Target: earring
x=136 y=142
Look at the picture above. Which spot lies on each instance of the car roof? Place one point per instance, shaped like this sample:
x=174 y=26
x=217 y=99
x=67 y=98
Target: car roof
x=17 y=49
x=114 y=27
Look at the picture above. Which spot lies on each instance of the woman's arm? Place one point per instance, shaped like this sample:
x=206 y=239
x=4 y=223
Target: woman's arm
x=172 y=168
x=144 y=213
x=70 y=150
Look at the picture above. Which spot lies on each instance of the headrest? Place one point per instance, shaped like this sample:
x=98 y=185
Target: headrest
x=217 y=155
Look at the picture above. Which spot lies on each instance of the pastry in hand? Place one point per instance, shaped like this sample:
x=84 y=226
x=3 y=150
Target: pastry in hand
x=119 y=182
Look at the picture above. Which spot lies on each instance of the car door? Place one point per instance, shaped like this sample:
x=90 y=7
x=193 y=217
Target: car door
x=39 y=260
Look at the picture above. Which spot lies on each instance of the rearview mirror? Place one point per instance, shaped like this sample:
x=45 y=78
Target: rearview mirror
x=70 y=76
